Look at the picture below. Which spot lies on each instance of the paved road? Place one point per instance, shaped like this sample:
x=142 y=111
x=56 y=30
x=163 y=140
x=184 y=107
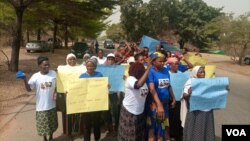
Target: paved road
x=238 y=102
x=22 y=126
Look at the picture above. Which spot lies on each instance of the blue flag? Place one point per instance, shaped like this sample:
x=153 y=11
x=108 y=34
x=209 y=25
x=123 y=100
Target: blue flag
x=149 y=42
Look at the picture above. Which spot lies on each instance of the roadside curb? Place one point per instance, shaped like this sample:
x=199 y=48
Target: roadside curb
x=8 y=118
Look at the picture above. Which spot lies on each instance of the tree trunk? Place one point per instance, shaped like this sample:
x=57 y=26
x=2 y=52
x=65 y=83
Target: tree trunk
x=54 y=37
x=17 y=35
x=28 y=36
x=182 y=43
x=38 y=34
x=242 y=53
x=66 y=36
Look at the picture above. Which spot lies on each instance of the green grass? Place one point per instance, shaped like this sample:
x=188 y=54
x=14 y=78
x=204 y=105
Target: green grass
x=213 y=51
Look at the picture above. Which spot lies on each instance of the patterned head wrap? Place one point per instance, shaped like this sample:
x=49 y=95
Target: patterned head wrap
x=93 y=61
x=156 y=55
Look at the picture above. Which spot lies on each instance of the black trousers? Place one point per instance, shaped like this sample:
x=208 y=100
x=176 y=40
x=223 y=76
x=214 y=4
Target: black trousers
x=92 y=120
x=176 y=130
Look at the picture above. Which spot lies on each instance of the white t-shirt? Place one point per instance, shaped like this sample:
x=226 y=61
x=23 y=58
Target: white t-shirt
x=134 y=99
x=101 y=61
x=45 y=88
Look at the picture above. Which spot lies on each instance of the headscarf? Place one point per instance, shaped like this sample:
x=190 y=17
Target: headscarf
x=69 y=56
x=93 y=61
x=195 y=71
x=86 y=55
x=156 y=55
x=172 y=60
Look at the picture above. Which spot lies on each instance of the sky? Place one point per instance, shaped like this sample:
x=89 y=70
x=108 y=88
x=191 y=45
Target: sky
x=238 y=7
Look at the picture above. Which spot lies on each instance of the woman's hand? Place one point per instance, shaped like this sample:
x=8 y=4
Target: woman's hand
x=160 y=112
x=54 y=95
x=172 y=104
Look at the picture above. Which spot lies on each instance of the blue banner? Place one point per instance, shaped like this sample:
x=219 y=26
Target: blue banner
x=177 y=81
x=115 y=76
x=149 y=42
x=209 y=93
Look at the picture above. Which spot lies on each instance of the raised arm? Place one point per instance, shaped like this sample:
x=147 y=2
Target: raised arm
x=142 y=80
x=189 y=64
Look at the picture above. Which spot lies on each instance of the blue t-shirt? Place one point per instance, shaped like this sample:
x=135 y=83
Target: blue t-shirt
x=161 y=80
x=86 y=75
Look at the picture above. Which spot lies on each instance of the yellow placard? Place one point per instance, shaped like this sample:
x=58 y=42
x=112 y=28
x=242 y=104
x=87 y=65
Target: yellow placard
x=87 y=95
x=65 y=74
x=126 y=70
x=197 y=60
x=210 y=71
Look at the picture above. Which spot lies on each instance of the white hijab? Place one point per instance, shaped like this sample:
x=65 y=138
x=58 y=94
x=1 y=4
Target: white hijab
x=69 y=56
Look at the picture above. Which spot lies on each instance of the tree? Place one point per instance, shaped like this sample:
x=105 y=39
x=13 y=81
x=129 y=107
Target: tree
x=129 y=18
x=235 y=35
x=159 y=16
x=115 y=32
x=88 y=15
x=19 y=7
x=190 y=23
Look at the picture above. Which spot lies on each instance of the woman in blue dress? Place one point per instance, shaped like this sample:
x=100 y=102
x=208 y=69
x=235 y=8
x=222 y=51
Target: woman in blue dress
x=159 y=100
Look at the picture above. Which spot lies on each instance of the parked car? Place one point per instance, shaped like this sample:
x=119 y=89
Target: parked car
x=108 y=44
x=37 y=46
x=246 y=59
x=58 y=43
x=79 y=49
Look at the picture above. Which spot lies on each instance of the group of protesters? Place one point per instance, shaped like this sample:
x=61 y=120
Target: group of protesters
x=147 y=110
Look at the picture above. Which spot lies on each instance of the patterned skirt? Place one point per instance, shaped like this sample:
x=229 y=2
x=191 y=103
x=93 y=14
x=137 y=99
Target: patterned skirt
x=199 y=126
x=131 y=127
x=157 y=126
x=46 y=122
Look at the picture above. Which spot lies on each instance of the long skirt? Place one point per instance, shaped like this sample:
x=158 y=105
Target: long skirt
x=199 y=126
x=131 y=127
x=46 y=122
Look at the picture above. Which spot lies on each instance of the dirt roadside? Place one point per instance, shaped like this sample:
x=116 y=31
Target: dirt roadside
x=13 y=94
x=12 y=91
x=224 y=62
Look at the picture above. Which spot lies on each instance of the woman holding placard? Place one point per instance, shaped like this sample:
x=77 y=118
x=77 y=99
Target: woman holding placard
x=198 y=125
x=91 y=119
